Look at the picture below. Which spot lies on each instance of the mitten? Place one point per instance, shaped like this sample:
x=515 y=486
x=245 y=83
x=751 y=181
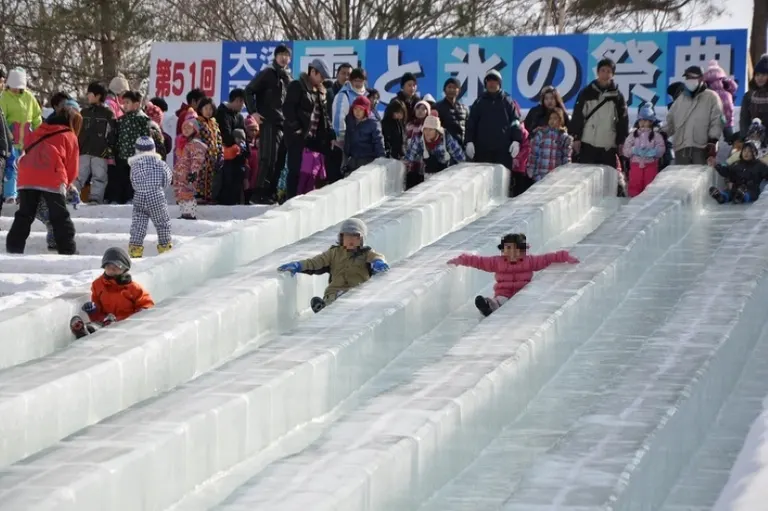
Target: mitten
x=454 y=261
x=470 y=150
x=379 y=266
x=514 y=149
x=89 y=307
x=109 y=319
x=293 y=268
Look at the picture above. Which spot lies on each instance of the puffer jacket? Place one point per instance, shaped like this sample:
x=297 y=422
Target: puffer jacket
x=348 y=268
x=494 y=122
x=725 y=88
x=130 y=127
x=299 y=104
x=99 y=131
x=53 y=163
x=747 y=174
x=149 y=174
x=265 y=94
x=644 y=146
x=119 y=296
x=453 y=117
x=363 y=139
x=550 y=149
x=695 y=119
x=606 y=128
x=435 y=156
x=754 y=105
x=342 y=102
x=22 y=113
x=512 y=277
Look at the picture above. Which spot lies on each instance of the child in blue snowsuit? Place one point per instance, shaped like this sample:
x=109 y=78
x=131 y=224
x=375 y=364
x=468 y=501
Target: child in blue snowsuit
x=150 y=176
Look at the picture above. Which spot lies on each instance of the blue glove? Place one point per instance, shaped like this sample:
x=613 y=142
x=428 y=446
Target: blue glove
x=379 y=266
x=294 y=267
x=89 y=307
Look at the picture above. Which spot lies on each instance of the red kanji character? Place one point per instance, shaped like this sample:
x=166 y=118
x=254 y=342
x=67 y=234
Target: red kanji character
x=163 y=78
x=178 y=78
x=208 y=77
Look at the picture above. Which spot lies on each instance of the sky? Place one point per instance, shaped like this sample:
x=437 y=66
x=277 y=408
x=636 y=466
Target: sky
x=740 y=16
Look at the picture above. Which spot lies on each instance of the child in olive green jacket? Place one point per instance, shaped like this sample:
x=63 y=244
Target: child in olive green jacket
x=350 y=263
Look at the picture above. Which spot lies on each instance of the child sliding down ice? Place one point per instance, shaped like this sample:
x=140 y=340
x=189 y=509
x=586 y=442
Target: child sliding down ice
x=513 y=269
x=350 y=263
x=744 y=177
x=114 y=295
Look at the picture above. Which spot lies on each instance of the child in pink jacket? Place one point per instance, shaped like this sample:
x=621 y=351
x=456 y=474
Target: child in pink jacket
x=513 y=269
x=644 y=148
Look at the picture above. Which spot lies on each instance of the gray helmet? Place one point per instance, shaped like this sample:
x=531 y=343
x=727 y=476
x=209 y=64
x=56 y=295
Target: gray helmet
x=118 y=257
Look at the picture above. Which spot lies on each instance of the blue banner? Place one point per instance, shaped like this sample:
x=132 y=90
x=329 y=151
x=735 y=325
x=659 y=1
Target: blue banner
x=646 y=63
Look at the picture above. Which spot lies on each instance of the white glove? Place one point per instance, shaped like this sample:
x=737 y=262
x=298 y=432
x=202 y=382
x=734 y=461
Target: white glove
x=514 y=149
x=470 y=150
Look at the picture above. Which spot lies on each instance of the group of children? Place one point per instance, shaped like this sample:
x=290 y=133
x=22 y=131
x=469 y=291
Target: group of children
x=746 y=170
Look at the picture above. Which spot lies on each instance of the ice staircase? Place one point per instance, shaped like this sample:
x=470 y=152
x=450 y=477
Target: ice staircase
x=596 y=386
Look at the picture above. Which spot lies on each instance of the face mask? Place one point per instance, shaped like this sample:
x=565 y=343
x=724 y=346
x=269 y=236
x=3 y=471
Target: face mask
x=691 y=84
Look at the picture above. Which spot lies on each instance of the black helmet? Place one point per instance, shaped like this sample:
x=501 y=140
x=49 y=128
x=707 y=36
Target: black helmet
x=517 y=239
x=118 y=257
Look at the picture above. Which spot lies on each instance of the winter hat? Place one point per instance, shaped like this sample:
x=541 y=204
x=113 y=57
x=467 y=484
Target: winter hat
x=155 y=113
x=354 y=226
x=250 y=121
x=646 y=113
x=407 y=77
x=492 y=75
x=321 y=67
x=144 y=145
x=363 y=103
x=452 y=81
x=238 y=134
x=281 y=48
x=433 y=122
x=424 y=104
x=693 y=72
x=17 y=79
x=752 y=145
x=714 y=72
x=118 y=257
x=71 y=103
x=756 y=128
x=762 y=65
x=429 y=98
x=192 y=122
x=119 y=85
x=518 y=240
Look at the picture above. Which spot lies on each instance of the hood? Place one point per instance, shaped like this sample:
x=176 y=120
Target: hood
x=348 y=87
x=56 y=125
x=612 y=87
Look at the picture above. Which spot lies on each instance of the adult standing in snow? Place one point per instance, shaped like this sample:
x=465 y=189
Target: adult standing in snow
x=452 y=112
x=755 y=102
x=307 y=126
x=264 y=97
x=494 y=131
x=600 y=122
x=407 y=94
x=695 y=121
x=47 y=171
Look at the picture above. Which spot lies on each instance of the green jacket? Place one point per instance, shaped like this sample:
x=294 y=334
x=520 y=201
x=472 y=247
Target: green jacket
x=130 y=127
x=348 y=269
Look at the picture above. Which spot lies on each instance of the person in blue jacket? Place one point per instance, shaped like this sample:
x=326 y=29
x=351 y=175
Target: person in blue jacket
x=363 y=141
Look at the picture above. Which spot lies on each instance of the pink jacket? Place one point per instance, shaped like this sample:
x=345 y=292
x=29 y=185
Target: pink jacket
x=641 y=150
x=512 y=277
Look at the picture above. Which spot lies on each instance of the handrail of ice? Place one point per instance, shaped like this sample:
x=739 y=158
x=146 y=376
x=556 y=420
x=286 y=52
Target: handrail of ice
x=747 y=486
x=487 y=378
x=184 y=337
x=222 y=417
x=39 y=327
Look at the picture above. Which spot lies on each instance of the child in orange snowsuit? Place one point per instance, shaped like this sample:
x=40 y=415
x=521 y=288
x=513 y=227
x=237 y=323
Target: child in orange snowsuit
x=114 y=295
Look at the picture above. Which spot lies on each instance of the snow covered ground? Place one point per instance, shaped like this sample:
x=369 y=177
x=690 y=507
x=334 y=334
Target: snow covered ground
x=40 y=273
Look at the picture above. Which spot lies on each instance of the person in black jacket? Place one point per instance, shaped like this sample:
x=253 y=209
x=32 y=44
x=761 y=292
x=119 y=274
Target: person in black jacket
x=453 y=114
x=538 y=116
x=97 y=138
x=744 y=177
x=264 y=97
x=307 y=123
x=393 y=129
x=229 y=117
x=230 y=120
x=493 y=130
x=408 y=94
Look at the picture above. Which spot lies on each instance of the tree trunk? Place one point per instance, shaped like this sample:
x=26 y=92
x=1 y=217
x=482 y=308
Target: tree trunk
x=109 y=55
x=757 y=42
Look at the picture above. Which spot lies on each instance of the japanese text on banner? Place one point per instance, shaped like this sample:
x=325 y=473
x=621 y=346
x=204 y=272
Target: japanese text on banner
x=176 y=78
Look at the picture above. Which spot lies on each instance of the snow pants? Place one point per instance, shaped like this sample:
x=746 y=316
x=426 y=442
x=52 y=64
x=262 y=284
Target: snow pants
x=58 y=216
x=97 y=169
x=146 y=207
x=640 y=177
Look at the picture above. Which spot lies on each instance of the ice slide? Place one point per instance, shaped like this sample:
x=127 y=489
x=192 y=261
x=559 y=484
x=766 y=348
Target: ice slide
x=397 y=397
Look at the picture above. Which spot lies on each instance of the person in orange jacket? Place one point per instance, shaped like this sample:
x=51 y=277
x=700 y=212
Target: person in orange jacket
x=114 y=295
x=47 y=171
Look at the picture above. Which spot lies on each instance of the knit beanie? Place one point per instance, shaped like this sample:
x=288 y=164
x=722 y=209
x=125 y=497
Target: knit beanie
x=118 y=257
x=250 y=121
x=762 y=65
x=144 y=145
x=424 y=104
x=407 y=77
x=17 y=79
x=364 y=103
x=492 y=75
x=452 y=81
x=756 y=128
x=354 y=226
x=714 y=72
x=119 y=85
x=646 y=113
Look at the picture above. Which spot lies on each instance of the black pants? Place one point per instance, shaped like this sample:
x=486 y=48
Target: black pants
x=119 y=188
x=592 y=155
x=271 y=158
x=230 y=188
x=520 y=183
x=333 y=163
x=294 y=154
x=691 y=156
x=63 y=228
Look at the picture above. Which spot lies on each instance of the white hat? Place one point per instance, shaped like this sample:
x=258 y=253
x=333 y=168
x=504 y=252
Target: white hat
x=432 y=122
x=17 y=79
x=119 y=85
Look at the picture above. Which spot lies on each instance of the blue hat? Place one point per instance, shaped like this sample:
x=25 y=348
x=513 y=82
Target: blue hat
x=646 y=113
x=71 y=103
x=145 y=145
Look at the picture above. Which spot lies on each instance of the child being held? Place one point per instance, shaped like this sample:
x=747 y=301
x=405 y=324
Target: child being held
x=350 y=263
x=744 y=177
x=513 y=269
x=644 y=148
x=551 y=146
x=114 y=295
x=150 y=176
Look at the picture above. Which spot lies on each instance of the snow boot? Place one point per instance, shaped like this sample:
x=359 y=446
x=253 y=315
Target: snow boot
x=483 y=306
x=739 y=195
x=161 y=249
x=716 y=194
x=135 y=251
x=317 y=304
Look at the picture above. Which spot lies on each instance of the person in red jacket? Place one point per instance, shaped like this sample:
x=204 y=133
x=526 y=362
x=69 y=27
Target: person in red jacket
x=513 y=269
x=46 y=171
